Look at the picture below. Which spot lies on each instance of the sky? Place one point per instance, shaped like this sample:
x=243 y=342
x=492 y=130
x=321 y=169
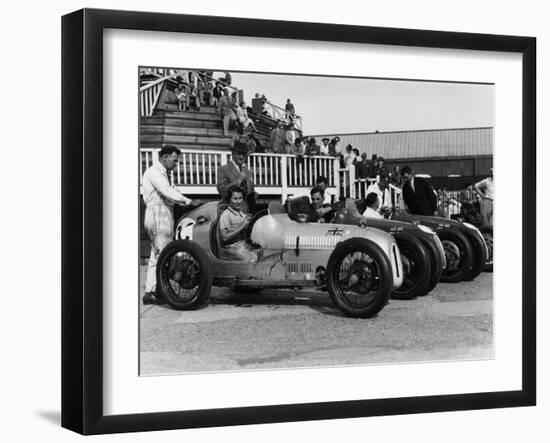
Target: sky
x=339 y=105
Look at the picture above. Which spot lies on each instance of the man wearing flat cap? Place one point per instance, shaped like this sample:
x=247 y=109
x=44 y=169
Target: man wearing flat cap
x=236 y=173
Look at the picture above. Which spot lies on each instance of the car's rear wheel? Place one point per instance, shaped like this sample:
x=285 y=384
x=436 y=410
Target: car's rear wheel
x=458 y=254
x=359 y=277
x=487 y=233
x=416 y=267
x=184 y=275
x=479 y=256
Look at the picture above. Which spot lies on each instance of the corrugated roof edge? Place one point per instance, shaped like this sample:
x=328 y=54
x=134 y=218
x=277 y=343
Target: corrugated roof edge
x=397 y=132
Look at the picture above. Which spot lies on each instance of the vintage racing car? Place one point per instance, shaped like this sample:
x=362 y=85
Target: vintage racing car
x=421 y=250
x=465 y=247
x=360 y=267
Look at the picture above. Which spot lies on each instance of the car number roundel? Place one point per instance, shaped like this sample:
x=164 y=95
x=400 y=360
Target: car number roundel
x=185 y=229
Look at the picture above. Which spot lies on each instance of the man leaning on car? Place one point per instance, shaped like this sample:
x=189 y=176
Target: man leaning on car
x=160 y=196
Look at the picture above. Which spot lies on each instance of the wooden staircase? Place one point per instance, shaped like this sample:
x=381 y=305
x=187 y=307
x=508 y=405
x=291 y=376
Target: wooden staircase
x=201 y=130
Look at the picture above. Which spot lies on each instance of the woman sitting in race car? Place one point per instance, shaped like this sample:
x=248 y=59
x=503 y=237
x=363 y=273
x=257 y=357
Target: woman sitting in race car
x=232 y=227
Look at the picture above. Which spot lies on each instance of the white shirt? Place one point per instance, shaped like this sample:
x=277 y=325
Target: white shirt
x=487 y=185
x=383 y=197
x=157 y=189
x=369 y=212
x=324 y=149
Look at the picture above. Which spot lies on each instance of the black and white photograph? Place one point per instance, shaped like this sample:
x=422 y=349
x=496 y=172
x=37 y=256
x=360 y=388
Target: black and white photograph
x=301 y=221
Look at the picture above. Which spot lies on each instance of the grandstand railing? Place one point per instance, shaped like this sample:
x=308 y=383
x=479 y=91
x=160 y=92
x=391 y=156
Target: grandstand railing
x=150 y=92
x=274 y=174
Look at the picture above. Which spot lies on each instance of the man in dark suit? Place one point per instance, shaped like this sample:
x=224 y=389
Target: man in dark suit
x=418 y=194
x=236 y=173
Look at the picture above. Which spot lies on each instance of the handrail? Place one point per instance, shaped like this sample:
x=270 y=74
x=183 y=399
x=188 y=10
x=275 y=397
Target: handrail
x=153 y=83
x=149 y=95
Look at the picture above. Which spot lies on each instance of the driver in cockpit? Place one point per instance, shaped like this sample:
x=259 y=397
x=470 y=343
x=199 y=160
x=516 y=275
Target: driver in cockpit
x=233 y=225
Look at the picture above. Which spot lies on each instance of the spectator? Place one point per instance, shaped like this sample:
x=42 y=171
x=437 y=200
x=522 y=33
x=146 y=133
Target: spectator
x=333 y=148
x=356 y=156
x=277 y=138
x=290 y=138
x=373 y=166
x=381 y=168
x=312 y=147
x=486 y=189
x=362 y=167
x=227 y=105
x=253 y=143
x=264 y=102
x=381 y=189
x=257 y=104
x=324 y=148
x=217 y=94
x=226 y=80
x=232 y=229
x=348 y=157
x=362 y=173
x=299 y=149
x=207 y=97
x=396 y=178
x=418 y=194
x=322 y=182
x=243 y=118
x=182 y=96
x=289 y=110
x=342 y=161
x=373 y=204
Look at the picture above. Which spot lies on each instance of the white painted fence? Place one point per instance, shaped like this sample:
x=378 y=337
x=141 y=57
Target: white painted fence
x=274 y=174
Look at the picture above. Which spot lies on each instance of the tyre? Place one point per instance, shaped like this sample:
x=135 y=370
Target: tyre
x=479 y=254
x=359 y=277
x=487 y=233
x=436 y=266
x=184 y=275
x=458 y=254
x=416 y=267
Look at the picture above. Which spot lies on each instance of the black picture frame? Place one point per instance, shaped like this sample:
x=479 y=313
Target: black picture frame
x=82 y=219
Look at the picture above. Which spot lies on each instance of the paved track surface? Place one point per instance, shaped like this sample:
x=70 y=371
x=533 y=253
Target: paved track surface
x=289 y=329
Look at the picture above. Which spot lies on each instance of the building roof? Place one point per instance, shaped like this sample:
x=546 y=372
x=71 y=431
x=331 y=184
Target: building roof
x=422 y=143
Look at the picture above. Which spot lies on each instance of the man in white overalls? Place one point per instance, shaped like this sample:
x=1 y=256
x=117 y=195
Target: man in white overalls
x=160 y=196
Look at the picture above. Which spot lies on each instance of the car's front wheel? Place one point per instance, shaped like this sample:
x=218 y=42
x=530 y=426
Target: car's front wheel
x=359 y=277
x=184 y=275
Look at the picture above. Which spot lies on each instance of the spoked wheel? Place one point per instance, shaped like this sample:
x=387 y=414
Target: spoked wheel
x=458 y=254
x=416 y=267
x=487 y=233
x=184 y=275
x=360 y=278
